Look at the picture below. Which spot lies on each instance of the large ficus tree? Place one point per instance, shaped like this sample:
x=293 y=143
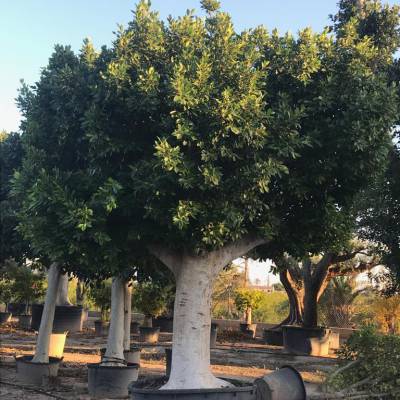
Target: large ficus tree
x=347 y=148
x=199 y=144
x=222 y=142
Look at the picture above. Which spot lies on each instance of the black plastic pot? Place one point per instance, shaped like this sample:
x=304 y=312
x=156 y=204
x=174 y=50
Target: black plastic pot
x=284 y=384
x=24 y=322
x=135 y=327
x=248 y=329
x=17 y=308
x=110 y=382
x=168 y=361
x=131 y=356
x=149 y=334
x=5 y=317
x=101 y=327
x=306 y=341
x=166 y=324
x=273 y=337
x=138 y=391
x=213 y=335
x=36 y=373
x=66 y=318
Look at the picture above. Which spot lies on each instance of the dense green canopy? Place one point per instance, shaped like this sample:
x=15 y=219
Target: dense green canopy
x=191 y=135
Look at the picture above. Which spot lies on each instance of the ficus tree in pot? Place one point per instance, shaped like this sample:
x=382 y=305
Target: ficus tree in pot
x=181 y=112
x=213 y=106
x=151 y=299
x=247 y=301
x=100 y=294
x=319 y=199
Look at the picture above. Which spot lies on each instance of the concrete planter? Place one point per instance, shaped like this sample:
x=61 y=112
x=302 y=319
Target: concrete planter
x=36 y=373
x=24 y=322
x=101 y=327
x=284 y=384
x=138 y=391
x=5 y=317
x=66 y=318
x=149 y=334
x=273 y=337
x=57 y=344
x=306 y=341
x=110 y=382
x=334 y=341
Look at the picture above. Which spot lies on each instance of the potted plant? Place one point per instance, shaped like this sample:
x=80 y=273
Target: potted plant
x=100 y=294
x=5 y=298
x=27 y=287
x=247 y=300
x=151 y=299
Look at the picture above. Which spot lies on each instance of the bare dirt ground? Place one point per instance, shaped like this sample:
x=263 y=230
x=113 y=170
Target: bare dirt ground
x=231 y=359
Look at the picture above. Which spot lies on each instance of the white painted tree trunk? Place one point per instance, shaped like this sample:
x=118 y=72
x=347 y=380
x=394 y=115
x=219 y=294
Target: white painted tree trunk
x=192 y=321
x=127 y=316
x=115 y=341
x=62 y=296
x=195 y=276
x=46 y=324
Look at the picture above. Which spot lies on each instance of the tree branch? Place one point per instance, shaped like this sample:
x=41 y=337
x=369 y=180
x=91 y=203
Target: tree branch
x=168 y=257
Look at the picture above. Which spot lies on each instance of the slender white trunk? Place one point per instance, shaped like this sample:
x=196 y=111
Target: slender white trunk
x=248 y=316
x=115 y=341
x=192 y=320
x=62 y=296
x=127 y=315
x=46 y=324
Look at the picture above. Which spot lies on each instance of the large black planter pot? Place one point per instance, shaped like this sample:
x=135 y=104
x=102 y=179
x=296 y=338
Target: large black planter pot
x=138 y=391
x=284 y=384
x=149 y=334
x=131 y=356
x=110 y=382
x=164 y=323
x=101 y=327
x=273 y=337
x=17 y=308
x=66 y=318
x=135 y=327
x=213 y=335
x=24 y=322
x=306 y=341
x=5 y=317
x=36 y=373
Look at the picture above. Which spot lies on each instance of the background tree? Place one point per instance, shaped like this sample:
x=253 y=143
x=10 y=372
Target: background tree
x=247 y=301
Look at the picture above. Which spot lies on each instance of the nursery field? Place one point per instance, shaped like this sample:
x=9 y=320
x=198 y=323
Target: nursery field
x=244 y=360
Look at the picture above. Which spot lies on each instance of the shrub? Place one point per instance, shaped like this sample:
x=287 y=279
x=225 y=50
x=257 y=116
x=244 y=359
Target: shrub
x=100 y=294
x=370 y=366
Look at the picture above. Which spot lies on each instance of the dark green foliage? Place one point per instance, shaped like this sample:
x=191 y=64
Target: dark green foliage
x=11 y=242
x=379 y=218
x=190 y=135
x=100 y=294
x=152 y=299
x=373 y=366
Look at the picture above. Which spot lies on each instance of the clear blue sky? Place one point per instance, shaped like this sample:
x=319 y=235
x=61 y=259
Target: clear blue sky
x=30 y=28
